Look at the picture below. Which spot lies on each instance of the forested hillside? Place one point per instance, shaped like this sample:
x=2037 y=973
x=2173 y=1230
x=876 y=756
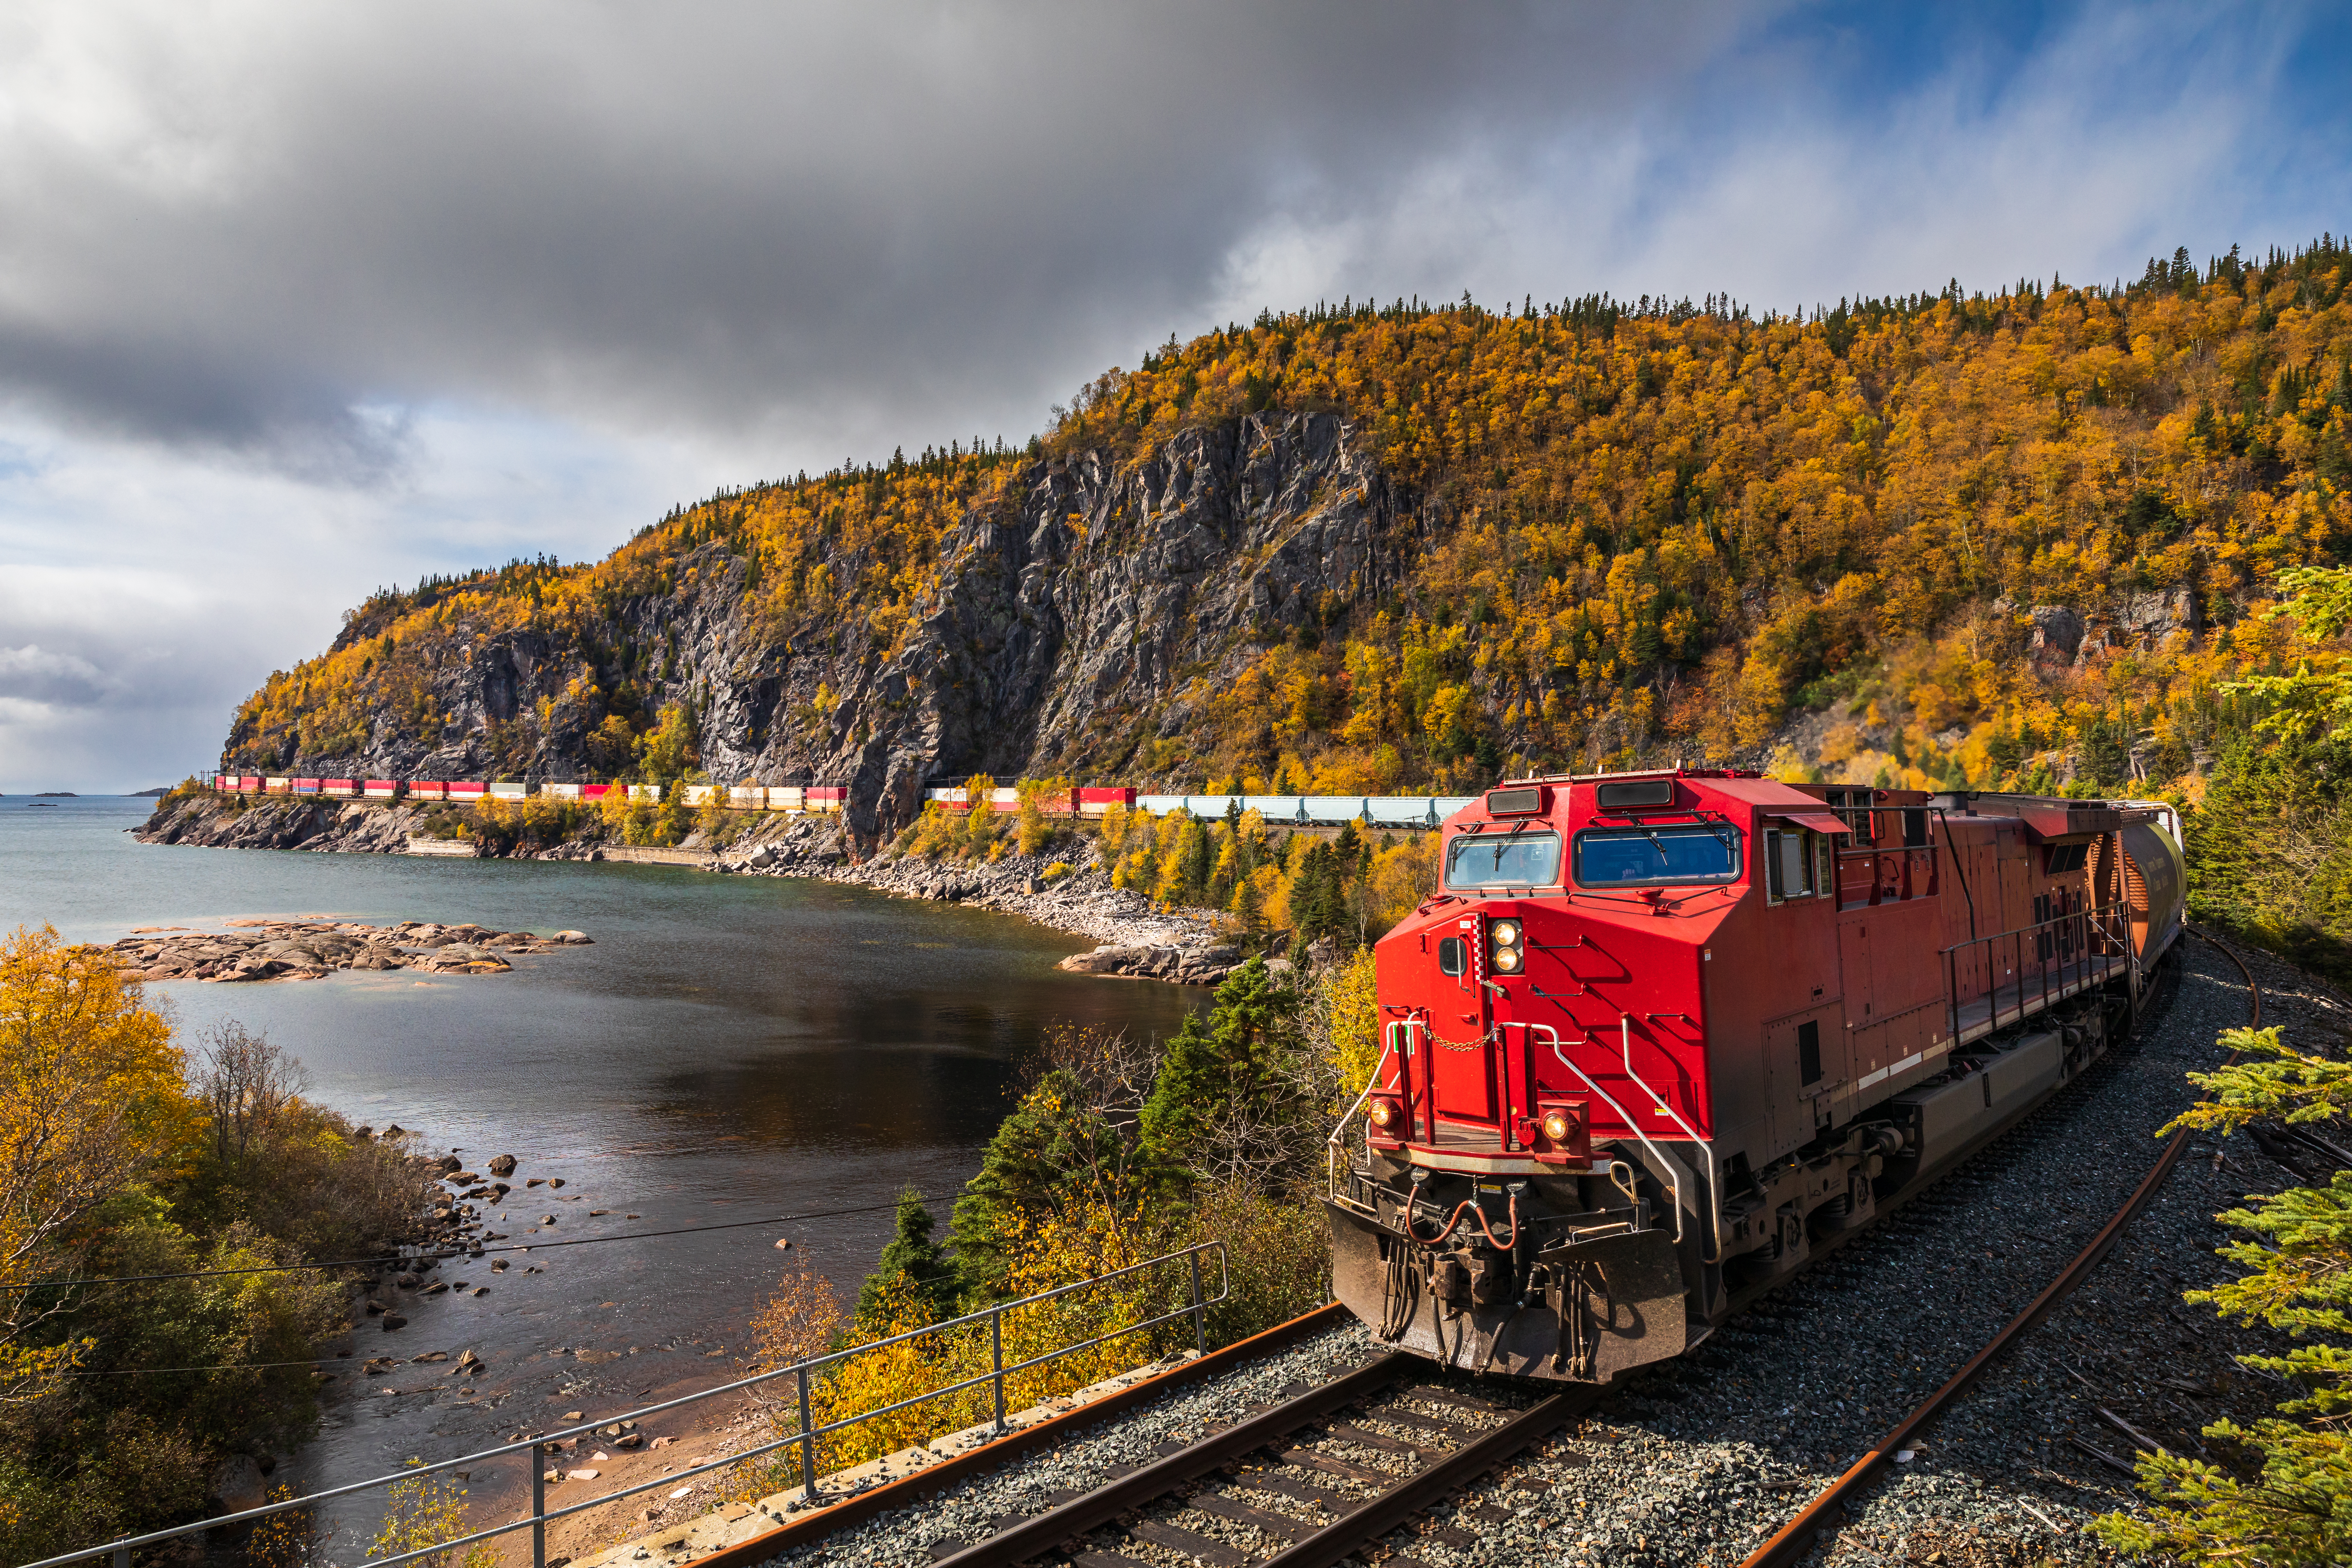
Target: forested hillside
x=2015 y=537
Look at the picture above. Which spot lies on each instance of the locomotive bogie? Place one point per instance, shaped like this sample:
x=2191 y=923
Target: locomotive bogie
x=1689 y=1028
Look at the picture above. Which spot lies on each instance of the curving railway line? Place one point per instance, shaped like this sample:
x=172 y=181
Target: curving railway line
x=1336 y=1470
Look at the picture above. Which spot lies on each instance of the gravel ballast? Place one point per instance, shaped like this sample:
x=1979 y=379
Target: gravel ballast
x=1701 y=1459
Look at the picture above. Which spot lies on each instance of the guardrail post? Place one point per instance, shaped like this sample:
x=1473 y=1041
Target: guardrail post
x=996 y=1356
x=122 y=1557
x=1200 y=1324
x=808 y=1439
x=538 y=1505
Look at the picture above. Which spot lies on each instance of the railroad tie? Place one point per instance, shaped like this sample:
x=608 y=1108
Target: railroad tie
x=1207 y=1549
x=1308 y=1458
x=1319 y=1497
x=1452 y=1431
x=1281 y=1526
x=1348 y=1431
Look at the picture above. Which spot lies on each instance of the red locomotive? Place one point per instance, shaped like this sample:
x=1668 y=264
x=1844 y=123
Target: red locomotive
x=1659 y=1035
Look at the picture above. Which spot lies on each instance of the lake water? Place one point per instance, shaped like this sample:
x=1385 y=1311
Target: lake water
x=729 y=1047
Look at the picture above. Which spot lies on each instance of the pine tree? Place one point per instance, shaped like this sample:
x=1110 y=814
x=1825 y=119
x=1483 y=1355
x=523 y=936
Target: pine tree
x=913 y=1258
x=1232 y=1058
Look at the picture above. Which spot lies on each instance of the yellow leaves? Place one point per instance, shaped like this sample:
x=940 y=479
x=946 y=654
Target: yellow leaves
x=1351 y=1021
x=91 y=1101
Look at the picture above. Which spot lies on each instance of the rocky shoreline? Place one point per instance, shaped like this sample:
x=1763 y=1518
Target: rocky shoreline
x=262 y=950
x=1065 y=886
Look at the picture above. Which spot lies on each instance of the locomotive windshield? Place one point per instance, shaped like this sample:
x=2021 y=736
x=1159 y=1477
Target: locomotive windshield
x=1503 y=860
x=1655 y=857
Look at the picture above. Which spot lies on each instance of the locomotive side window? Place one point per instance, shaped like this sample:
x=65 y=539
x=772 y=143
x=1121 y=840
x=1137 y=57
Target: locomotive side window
x=1503 y=860
x=1789 y=863
x=1453 y=955
x=1655 y=856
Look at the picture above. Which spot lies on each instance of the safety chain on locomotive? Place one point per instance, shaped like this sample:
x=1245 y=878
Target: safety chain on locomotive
x=1440 y=1040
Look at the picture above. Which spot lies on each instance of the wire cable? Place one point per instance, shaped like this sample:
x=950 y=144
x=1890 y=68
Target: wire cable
x=457 y=1252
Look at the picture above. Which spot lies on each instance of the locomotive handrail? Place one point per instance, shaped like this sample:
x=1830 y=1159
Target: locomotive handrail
x=540 y=1515
x=2109 y=923
x=1335 y=1146
x=1674 y=1167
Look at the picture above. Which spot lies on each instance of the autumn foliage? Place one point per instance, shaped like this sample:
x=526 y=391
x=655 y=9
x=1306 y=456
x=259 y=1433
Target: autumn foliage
x=1643 y=529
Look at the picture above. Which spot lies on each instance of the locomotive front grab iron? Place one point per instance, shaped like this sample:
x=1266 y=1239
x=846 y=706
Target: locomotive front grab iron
x=1658 y=1035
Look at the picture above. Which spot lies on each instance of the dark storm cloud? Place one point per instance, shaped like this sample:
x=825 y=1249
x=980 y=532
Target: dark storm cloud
x=232 y=225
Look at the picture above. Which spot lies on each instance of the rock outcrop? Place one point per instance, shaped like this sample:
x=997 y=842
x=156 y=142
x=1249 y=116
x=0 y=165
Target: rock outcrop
x=258 y=949
x=1096 y=607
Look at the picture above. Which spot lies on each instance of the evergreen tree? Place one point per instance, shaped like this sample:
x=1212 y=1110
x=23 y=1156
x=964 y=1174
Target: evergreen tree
x=1231 y=1058
x=913 y=1258
x=1197 y=863
x=1053 y=1151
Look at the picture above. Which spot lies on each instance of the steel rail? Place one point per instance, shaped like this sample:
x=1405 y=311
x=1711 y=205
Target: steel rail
x=1045 y=1532
x=1059 y=1529
x=1414 y=1494
x=1794 y=1538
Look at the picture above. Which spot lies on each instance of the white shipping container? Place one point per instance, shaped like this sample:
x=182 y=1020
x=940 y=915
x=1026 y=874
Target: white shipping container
x=561 y=791
x=511 y=790
x=645 y=792
x=746 y=797
x=699 y=795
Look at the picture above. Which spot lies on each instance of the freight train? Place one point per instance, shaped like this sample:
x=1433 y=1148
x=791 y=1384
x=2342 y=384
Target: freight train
x=1659 y=1036
x=1085 y=800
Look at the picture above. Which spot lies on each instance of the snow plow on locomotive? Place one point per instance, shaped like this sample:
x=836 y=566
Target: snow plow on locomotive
x=1658 y=1036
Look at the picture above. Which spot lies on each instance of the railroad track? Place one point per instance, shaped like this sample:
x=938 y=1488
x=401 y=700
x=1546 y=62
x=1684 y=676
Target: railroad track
x=1793 y=1540
x=1300 y=1484
x=1331 y=1470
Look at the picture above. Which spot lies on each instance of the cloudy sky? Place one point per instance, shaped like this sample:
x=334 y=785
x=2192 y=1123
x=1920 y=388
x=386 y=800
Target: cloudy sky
x=299 y=300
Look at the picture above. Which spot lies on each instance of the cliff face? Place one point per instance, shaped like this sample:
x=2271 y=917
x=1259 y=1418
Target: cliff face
x=1083 y=613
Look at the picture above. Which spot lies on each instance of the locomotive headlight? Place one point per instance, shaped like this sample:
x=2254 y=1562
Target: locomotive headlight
x=1556 y=1125
x=1383 y=1112
x=1503 y=944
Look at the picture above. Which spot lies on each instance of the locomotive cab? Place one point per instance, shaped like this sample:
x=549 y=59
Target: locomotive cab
x=1657 y=1035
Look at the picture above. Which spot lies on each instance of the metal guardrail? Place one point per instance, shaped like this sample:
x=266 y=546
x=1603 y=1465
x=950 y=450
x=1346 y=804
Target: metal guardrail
x=802 y=1373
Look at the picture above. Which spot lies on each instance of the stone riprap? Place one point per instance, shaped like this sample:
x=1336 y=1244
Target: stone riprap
x=1065 y=886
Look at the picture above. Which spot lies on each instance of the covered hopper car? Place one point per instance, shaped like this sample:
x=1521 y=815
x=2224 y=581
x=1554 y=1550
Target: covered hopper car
x=1659 y=1036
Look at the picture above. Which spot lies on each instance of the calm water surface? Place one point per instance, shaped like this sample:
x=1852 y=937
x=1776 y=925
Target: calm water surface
x=729 y=1047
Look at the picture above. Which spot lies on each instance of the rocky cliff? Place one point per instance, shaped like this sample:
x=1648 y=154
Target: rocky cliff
x=1938 y=541
x=1084 y=611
